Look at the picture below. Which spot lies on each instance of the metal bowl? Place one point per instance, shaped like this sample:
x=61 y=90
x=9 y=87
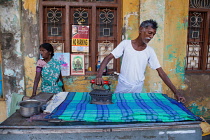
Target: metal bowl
x=29 y=107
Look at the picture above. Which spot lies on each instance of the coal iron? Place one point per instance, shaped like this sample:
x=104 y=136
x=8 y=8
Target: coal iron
x=101 y=96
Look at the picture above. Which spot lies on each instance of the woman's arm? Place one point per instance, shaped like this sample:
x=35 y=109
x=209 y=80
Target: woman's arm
x=61 y=79
x=36 y=82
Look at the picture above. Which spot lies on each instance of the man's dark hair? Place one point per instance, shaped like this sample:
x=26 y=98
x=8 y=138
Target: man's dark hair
x=48 y=47
x=149 y=23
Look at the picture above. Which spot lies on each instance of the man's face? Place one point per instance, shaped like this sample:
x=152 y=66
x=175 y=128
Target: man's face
x=147 y=34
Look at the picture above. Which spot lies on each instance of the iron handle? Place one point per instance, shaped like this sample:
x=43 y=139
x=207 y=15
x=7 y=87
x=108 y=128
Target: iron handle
x=105 y=82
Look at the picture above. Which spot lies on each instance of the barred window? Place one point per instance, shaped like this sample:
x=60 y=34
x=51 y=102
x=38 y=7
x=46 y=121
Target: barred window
x=198 y=45
x=58 y=20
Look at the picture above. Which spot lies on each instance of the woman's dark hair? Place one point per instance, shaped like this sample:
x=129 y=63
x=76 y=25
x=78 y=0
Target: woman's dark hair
x=149 y=23
x=48 y=47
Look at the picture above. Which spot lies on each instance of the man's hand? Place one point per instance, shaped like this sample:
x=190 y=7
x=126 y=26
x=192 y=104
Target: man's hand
x=180 y=98
x=99 y=81
x=168 y=82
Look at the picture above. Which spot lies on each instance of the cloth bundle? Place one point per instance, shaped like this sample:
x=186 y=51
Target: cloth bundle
x=127 y=107
x=56 y=100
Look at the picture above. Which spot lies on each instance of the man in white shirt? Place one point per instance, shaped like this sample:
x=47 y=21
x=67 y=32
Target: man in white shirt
x=136 y=55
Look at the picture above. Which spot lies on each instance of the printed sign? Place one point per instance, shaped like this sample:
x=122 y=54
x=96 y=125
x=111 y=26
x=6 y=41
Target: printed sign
x=80 y=38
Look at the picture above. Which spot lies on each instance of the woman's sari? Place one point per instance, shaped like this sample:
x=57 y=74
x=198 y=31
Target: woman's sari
x=50 y=76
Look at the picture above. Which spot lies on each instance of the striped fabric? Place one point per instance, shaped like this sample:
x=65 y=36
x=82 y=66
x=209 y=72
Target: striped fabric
x=127 y=107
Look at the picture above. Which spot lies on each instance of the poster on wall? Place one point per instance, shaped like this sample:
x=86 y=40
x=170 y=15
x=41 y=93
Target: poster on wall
x=77 y=64
x=65 y=62
x=80 y=38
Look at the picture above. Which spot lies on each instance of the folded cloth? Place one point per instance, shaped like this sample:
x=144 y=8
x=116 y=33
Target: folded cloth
x=56 y=100
x=127 y=107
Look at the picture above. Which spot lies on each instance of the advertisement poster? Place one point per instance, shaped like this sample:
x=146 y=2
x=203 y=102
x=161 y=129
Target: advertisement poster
x=77 y=64
x=65 y=62
x=80 y=38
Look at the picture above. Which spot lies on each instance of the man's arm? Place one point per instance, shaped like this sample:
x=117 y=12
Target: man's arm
x=168 y=82
x=99 y=80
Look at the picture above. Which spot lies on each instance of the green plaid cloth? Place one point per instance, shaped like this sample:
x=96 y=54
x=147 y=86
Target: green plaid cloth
x=127 y=107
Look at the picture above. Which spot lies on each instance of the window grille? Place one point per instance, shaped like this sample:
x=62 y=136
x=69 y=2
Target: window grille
x=54 y=24
x=106 y=37
x=195 y=40
x=200 y=4
x=198 y=50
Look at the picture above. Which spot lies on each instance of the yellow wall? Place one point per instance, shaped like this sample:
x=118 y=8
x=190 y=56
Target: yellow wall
x=130 y=17
x=30 y=71
x=3 y=111
x=31 y=6
x=176 y=22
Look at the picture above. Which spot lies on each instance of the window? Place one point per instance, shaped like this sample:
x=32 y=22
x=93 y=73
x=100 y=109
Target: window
x=198 y=45
x=102 y=17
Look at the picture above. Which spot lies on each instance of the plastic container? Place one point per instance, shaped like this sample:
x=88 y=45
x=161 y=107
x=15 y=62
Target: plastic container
x=98 y=65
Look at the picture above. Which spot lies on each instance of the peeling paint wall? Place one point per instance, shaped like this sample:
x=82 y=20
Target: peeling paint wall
x=130 y=17
x=176 y=21
x=30 y=38
x=197 y=94
x=12 y=61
